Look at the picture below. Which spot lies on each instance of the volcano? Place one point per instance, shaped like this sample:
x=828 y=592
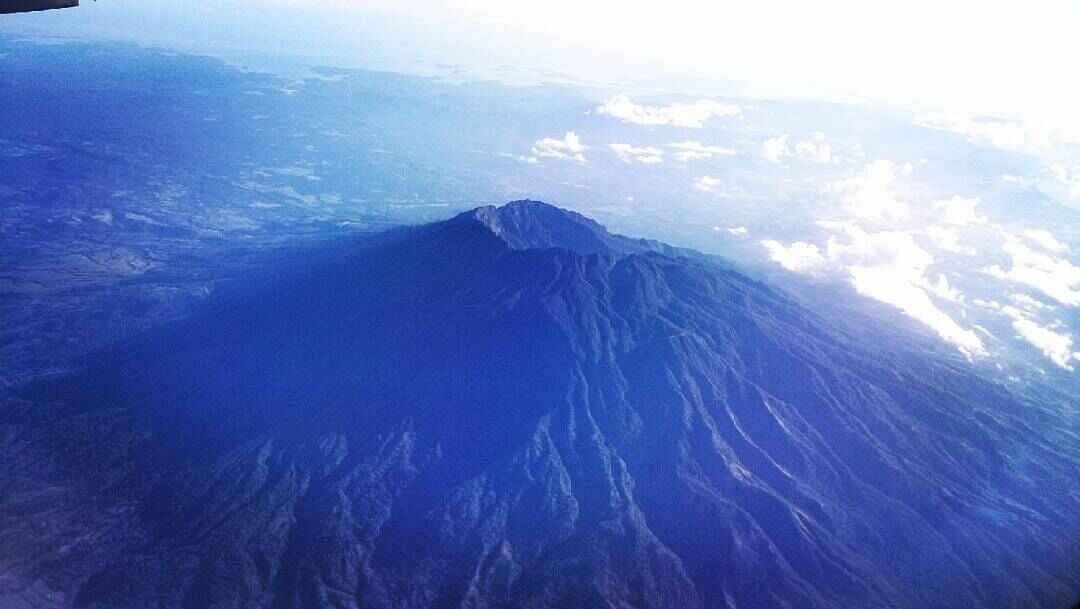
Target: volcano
x=515 y=408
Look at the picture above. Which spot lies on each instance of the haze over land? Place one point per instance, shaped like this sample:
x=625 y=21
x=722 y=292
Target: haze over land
x=973 y=220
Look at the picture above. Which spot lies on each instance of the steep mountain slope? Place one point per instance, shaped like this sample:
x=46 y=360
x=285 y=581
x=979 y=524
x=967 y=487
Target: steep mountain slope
x=515 y=408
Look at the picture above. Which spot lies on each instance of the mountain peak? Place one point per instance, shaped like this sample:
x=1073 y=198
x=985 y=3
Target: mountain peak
x=528 y=224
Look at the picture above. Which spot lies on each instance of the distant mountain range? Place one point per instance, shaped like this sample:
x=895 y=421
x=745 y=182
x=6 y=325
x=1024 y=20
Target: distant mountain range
x=516 y=408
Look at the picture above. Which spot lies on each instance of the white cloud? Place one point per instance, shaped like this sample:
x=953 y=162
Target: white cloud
x=738 y=231
x=1056 y=346
x=693 y=115
x=816 y=150
x=947 y=239
x=1029 y=303
x=872 y=195
x=913 y=300
x=1004 y=134
x=568 y=148
x=987 y=304
x=1046 y=240
x=889 y=248
x=888 y=266
x=959 y=211
x=692 y=151
x=633 y=154
x=944 y=290
x=891 y=267
x=1058 y=278
x=518 y=157
x=1055 y=181
x=775 y=149
x=799 y=257
x=1070 y=180
x=707 y=183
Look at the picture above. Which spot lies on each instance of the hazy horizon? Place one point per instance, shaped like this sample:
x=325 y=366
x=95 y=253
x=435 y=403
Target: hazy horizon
x=965 y=57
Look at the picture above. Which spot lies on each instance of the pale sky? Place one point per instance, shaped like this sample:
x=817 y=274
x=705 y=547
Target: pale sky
x=946 y=50
x=975 y=57
x=989 y=57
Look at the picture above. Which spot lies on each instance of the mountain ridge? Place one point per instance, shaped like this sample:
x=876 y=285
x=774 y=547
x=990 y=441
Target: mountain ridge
x=528 y=224
x=496 y=411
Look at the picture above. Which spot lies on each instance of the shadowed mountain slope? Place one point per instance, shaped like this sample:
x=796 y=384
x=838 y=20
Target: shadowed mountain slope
x=517 y=409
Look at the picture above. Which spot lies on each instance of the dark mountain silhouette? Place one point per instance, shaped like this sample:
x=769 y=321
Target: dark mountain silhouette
x=30 y=6
x=517 y=409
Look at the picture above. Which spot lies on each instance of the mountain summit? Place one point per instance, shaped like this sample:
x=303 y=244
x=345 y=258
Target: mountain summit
x=527 y=224
x=537 y=225
x=517 y=409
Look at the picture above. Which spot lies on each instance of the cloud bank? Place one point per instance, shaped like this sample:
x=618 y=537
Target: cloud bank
x=567 y=148
x=888 y=266
x=691 y=115
x=1055 y=277
x=633 y=154
x=814 y=150
x=872 y=195
x=691 y=150
x=798 y=257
